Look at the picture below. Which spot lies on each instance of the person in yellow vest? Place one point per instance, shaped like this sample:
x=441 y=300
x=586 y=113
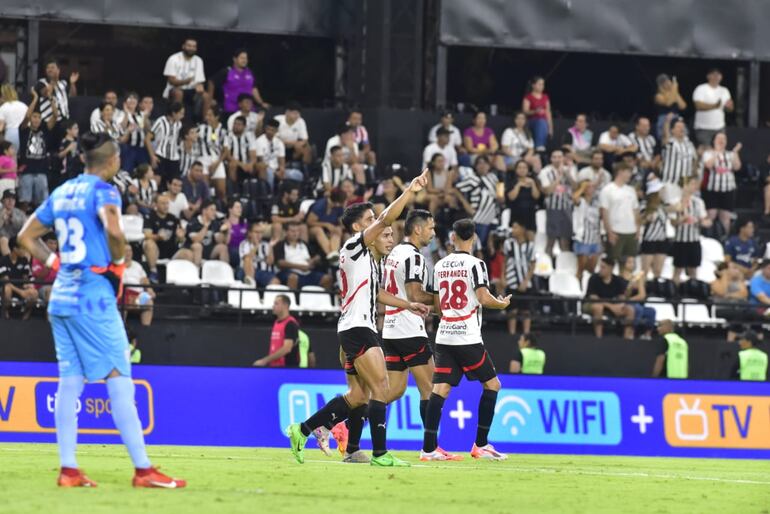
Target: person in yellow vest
x=752 y=362
x=135 y=353
x=529 y=359
x=673 y=353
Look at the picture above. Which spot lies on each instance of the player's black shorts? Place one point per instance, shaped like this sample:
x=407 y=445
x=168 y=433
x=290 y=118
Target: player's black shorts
x=471 y=360
x=354 y=342
x=407 y=352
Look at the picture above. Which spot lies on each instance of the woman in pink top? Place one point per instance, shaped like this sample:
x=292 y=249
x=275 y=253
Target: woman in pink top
x=537 y=106
x=7 y=167
x=478 y=139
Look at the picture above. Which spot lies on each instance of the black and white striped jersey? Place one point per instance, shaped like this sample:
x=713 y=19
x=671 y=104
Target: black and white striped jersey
x=113 y=128
x=721 y=175
x=647 y=145
x=481 y=193
x=586 y=221
x=60 y=95
x=654 y=223
x=211 y=140
x=166 y=138
x=678 y=160
x=136 y=134
x=688 y=231
x=561 y=197
x=519 y=257
x=241 y=145
x=187 y=157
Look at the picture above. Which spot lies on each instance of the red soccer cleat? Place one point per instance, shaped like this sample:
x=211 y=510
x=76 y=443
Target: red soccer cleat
x=153 y=478
x=340 y=434
x=73 y=477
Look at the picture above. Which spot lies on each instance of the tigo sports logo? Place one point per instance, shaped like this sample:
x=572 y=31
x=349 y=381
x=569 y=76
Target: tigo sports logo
x=716 y=421
x=27 y=405
x=557 y=417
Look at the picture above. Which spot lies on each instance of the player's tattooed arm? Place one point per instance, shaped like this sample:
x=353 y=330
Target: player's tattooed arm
x=29 y=239
x=390 y=300
x=490 y=302
x=394 y=210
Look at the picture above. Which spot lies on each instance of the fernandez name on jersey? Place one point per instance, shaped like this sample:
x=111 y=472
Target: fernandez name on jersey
x=456 y=278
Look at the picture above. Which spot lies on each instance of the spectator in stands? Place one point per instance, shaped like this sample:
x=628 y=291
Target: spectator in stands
x=271 y=157
x=519 y=254
x=711 y=100
x=680 y=159
x=144 y=182
x=668 y=102
x=323 y=222
x=179 y=206
x=136 y=123
x=455 y=137
x=289 y=346
x=620 y=215
x=252 y=119
x=298 y=267
x=480 y=140
x=586 y=226
x=208 y=235
x=292 y=130
x=257 y=256
x=638 y=176
x=691 y=215
x=361 y=137
x=34 y=163
x=8 y=167
x=12 y=114
x=162 y=142
x=184 y=70
x=137 y=299
x=110 y=97
x=11 y=220
x=529 y=358
x=335 y=170
x=441 y=181
x=759 y=286
x=189 y=151
x=42 y=275
x=234 y=81
x=14 y=276
x=636 y=293
x=579 y=140
x=719 y=167
x=605 y=285
x=163 y=237
x=345 y=139
x=517 y=144
x=537 y=107
x=212 y=137
x=241 y=152
x=238 y=229
x=480 y=188
x=613 y=144
x=647 y=153
x=557 y=183
x=54 y=93
x=730 y=294
x=287 y=209
x=743 y=249
x=654 y=215
x=107 y=123
x=595 y=172
x=521 y=197
x=195 y=188
x=443 y=147
x=71 y=155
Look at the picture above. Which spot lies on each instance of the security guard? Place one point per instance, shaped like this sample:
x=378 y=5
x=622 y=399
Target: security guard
x=673 y=351
x=752 y=362
x=530 y=359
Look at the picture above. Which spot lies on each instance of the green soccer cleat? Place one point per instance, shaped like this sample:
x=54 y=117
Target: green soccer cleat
x=298 y=440
x=389 y=460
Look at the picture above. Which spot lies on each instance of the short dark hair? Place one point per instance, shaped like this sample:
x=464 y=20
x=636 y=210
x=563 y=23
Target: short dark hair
x=186 y=129
x=104 y=104
x=344 y=128
x=13 y=242
x=464 y=229
x=338 y=195
x=288 y=186
x=609 y=261
x=239 y=51
x=273 y=123
x=51 y=60
x=354 y=213
x=245 y=96
x=742 y=222
x=196 y=163
x=216 y=111
x=414 y=217
x=207 y=203
x=292 y=105
x=174 y=107
x=532 y=338
x=68 y=124
x=335 y=148
x=241 y=119
x=285 y=299
x=4 y=146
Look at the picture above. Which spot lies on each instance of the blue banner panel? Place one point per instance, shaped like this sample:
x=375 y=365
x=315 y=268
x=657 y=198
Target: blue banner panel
x=534 y=414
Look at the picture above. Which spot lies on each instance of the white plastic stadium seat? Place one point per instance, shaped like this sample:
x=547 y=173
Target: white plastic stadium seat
x=541 y=240
x=662 y=310
x=540 y=221
x=182 y=273
x=667 y=271
x=566 y=261
x=706 y=272
x=315 y=298
x=133 y=227
x=305 y=206
x=217 y=273
x=543 y=266
x=694 y=313
x=566 y=284
x=712 y=250
x=247 y=299
x=275 y=290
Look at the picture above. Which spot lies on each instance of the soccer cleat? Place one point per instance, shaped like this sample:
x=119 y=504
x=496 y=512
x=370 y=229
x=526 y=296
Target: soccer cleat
x=298 y=441
x=74 y=478
x=340 y=434
x=487 y=452
x=322 y=438
x=439 y=455
x=155 y=479
x=357 y=457
x=389 y=460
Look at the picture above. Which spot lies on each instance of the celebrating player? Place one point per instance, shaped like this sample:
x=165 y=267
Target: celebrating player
x=88 y=331
x=357 y=329
x=461 y=290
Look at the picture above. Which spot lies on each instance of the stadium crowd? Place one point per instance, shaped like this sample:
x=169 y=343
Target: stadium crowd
x=617 y=217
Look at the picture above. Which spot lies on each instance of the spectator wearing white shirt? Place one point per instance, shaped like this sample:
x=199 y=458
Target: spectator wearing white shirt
x=292 y=130
x=178 y=204
x=137 y=298
x=613 y=143
x=345 y=139
x=246 y=111
x=184 y=70
x=211 y=143
x=455 y=136
x=334 y=171
x=361 y=137
x=711 y=101
x=517 y=144
x=620 y=215
x=271 y=157
x=441 y=146
x=12 y=114
x=719 y=167
x=595 y=172
x=110 y=97
x=108 y=124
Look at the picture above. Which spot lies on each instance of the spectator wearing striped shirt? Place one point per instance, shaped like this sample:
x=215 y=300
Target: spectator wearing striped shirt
x=620 y=215
x=647 y=153
x=147 y=188
x=719 y=167
x=680 y=159
x=162 y=142
x=110 y=97
x=519 y=254
x=690 y=218
x=135 y=123
x=189 y=151
x=241 y=153
x=517 y=144
x=211 y=150
x=335 y=170
x=257 y=256
x=557 y=183
x=107 y=124
x=361 y=137
x=655 y=246
x=52 y=89
x=480 y=188
x=586 y=222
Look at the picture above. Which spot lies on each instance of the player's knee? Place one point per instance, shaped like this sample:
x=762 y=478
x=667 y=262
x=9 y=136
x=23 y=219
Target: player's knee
x=442 y=389
x=493 y=384
x=355 y=398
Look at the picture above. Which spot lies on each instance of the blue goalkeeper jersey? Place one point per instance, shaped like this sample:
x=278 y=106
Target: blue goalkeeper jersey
x=73 y=211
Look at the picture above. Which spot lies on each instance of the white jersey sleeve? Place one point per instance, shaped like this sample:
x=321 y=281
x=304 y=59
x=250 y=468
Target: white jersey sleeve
x=359 y=277
x=404 y=265
x=456 y=279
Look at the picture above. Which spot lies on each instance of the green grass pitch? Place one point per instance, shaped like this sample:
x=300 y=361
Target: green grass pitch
x=255 y=480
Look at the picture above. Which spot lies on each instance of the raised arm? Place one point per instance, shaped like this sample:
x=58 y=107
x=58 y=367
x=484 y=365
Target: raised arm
x=394 y=210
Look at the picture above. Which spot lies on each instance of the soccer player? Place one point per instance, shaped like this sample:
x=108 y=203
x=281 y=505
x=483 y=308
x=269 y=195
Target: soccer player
x=88 y=332
x=461 y=289
x=357 y=329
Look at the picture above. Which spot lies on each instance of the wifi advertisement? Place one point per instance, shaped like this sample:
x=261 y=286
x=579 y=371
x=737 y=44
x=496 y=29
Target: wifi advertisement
x=534 y=414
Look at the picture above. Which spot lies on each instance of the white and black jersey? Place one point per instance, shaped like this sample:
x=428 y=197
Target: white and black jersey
x=481 y=193
x=518 y=141
x=37 y=145
x=112 y=129
x=403 y=265
x=187 y=157
x=561 y=197
x=456 y=278
x=146 y=194
x=211 y=140
x=166 y=138
x=261 y=254
x=586 y=221
x=519 y=257
x=721 y=175
x=333 y=176
x=240 y=145
x=688 y=228
x=678 y=159
x=136 y=134
x=60 y=95
x=359 y=282
x=654 y=223
x=647 y=145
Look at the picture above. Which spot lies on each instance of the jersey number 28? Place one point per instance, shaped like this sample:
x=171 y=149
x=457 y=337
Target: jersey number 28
x=453 y=294
x=70 y=235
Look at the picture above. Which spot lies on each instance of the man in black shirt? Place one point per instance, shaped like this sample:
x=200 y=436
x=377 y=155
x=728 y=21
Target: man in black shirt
x=34 y=148
x=15 y=267
x=207 y=235
x=286 y=210
x=605 y=285
x=163 y=235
